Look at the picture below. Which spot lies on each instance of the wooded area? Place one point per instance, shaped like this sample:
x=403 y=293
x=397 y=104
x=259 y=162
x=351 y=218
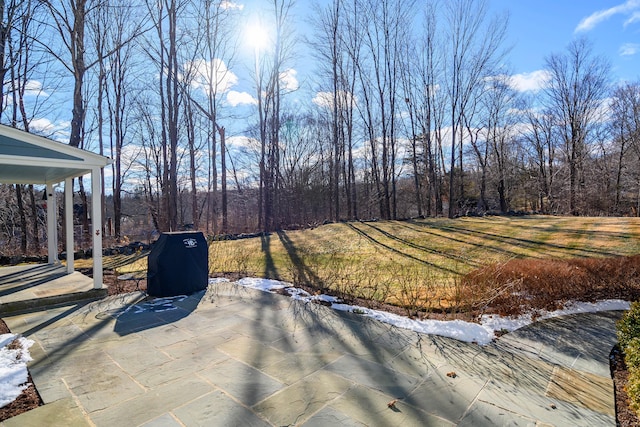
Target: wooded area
x=414 y=114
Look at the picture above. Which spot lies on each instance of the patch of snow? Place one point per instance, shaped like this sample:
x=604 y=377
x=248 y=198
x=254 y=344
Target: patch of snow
x=262 y=284
x=13 y=367
x=457 y=329
x=498 y=323
x=297 y=293
x=593 y=307
x=214 y=280
x=302 y=295
x=327 y=298
x=481 y=333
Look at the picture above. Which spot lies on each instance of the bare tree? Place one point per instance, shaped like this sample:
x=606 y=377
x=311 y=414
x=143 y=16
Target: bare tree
x=147 y=134
x=499 y=101
x=70 y=19
x=19 y=60
x=215 y=52
x=328 y=47
x=411 y=90
x=625 y=130
x=271 y=69
x=163 y=50
x=385 y=31
x=7 y=13
x=335 y=44
x=111 y=29
x=472 y=53
x=541 y=141
x=303 y=152
x=578 y=86
x=431 y=115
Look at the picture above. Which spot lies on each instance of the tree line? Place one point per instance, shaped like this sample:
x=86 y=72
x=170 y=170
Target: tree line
x=413 y=113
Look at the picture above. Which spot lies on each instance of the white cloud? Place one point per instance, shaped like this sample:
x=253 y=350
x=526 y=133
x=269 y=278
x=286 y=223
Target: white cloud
x=629 y=49
x=235 y=98
x=289 y=80
x=325 y=99
x=34 y=88
x=31 y=88
x=635 y=17
x=242 y=142
x=589 y=23
x=56 y=131
x=210 y=75
x=229 y=5
x=529 y=82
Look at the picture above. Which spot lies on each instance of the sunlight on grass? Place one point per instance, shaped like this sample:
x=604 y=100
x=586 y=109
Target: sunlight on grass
x=120 y=263
x=385 y=258
x=417 y=263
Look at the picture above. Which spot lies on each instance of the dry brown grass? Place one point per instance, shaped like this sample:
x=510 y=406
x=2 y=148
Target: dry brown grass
x=520 y=285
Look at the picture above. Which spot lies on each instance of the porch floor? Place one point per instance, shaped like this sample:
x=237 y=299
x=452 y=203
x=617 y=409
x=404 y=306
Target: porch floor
x=27 y=287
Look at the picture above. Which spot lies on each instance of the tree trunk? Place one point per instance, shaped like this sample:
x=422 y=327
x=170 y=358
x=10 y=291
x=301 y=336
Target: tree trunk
x=223 y=183
x=23 y=219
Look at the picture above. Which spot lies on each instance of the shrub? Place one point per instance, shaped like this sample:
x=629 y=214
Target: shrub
x=547 y=284
x=628 y=326
x=633 y=389
x=632 y=353
x=628 y=330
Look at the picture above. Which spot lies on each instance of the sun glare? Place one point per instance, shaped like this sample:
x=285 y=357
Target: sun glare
x=256 y=35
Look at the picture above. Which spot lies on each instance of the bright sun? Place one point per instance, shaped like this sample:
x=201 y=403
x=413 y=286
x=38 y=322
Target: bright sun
x=256 y=35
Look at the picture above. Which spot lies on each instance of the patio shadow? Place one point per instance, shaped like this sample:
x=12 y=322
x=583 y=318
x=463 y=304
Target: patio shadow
x=153 y=312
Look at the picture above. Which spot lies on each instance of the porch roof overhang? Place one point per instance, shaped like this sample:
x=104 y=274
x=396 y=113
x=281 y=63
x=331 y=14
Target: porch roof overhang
x=26 y=158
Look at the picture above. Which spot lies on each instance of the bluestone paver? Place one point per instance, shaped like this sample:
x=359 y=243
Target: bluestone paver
x=61 y=412
x=371 y=408
x=245 y=383
x=220 y=407
x=296 y=403
x=482 y=414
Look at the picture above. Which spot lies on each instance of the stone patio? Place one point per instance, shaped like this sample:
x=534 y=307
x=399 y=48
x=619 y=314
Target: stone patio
x=238 y=357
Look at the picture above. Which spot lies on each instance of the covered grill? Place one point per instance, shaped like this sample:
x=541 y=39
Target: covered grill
x=178 y=264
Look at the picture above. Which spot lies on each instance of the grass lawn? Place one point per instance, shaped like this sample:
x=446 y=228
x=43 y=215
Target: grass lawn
x=419 y=262
x=440 y=247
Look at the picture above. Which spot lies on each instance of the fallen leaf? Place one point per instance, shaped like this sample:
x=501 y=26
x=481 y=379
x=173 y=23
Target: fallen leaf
x=452 y=374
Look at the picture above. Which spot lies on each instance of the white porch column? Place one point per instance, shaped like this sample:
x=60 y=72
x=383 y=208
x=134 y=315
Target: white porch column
x=96 y=227
x=52 y=229
x=68 y=222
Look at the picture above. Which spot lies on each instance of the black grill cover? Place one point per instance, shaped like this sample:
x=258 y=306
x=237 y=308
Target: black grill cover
x=178 y=265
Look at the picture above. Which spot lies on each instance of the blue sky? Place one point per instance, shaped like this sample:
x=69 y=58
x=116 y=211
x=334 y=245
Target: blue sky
x=536 y=30
x=539 y=28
